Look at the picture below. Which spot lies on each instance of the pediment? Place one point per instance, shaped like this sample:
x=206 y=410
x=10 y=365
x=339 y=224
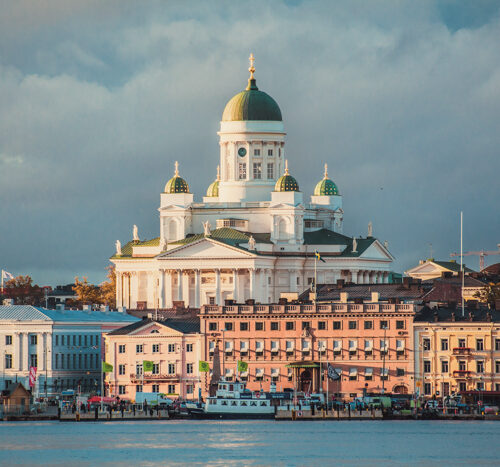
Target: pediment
x=206 y=248
x=155 y=329
x=426 y=268
x=377 y=251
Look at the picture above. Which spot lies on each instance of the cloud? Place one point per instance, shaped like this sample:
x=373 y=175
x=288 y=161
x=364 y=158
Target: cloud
x=98 y=101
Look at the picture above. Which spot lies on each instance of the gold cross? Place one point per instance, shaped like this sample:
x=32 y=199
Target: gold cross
x=176 y=169
x=252 y=68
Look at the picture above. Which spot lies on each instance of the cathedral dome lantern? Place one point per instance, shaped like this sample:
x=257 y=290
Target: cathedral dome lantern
x=213 y=189
x=286 y=182
x=176 y=184
x=251 y=104
x=326 y=187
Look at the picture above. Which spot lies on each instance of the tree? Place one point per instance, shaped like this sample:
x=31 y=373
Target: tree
x=23 y=292
x=86 y=293
x=489 y=294
x=108 y=288
x=102 y=294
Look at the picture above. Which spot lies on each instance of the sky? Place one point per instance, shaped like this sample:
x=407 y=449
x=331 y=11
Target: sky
x=98 y=99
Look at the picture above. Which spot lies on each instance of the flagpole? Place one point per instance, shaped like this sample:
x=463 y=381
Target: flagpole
x=102 y=384
x=315 y=277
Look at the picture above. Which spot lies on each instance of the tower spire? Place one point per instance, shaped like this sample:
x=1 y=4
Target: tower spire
x=286 y=167
x=176 y=174
x=218 y=173
x=326 y=170
x=252 y=68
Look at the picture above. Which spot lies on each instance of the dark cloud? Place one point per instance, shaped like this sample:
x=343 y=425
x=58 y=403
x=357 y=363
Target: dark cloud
x=98 y=100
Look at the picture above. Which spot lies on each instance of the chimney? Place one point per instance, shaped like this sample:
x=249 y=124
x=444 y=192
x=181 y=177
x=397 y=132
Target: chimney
x=375 y=296
x=453 y=317
x=406 y=282
x=343 y=297
x=436 y=316
x=340 y=283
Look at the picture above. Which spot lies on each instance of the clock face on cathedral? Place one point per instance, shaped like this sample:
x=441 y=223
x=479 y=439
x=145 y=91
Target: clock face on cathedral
x=254 y=235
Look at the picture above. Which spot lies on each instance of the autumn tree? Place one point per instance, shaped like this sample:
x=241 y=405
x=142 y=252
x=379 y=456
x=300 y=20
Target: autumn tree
x=489 y=294
x=22 y=290
x=108 y=288
x=102 y=294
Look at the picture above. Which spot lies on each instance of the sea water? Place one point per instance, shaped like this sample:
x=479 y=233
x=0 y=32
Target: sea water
x=342 y=443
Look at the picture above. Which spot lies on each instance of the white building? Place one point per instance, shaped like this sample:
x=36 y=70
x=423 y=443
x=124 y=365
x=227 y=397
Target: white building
x=63 y=345
x=254 y=235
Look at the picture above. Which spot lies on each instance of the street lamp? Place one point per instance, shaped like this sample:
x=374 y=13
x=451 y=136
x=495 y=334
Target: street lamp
x=383 y=359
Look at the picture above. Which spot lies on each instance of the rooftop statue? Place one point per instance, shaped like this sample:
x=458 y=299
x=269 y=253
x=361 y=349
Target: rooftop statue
x=118 y=248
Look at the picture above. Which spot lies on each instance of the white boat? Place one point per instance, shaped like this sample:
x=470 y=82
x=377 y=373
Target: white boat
x=234 y=400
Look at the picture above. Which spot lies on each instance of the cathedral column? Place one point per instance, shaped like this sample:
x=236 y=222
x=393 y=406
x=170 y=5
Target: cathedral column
x=197 y=288
x=17 y=363
x=252 y=283
x=134 y=289
x=217 y=288
x=119 y=301
x=186 y=295
x=265 y=286
x=168 y=289
x=161 y=289
x=26 y=352
x=179 y=285
x=40 y=337
x=292 y=280
x=354 y=276
x=235 y=285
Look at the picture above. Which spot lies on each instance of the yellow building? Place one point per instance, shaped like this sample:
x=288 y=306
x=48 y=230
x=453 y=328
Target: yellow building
x=455 y=353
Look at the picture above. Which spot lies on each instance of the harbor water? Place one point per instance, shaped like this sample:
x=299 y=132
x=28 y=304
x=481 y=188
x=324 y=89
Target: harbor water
x=349 y=443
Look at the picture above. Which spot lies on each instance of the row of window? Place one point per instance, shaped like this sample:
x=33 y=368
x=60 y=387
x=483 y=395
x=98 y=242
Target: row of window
x=155 y=348
x=171 y=388
x=290 y=325
x=256 y=152
x=63 y=339
x=306 y=346
x=462 y=386
x=462 y=366
x=9 y=361
x=257 y=171
x=171 y=367
x=33 y=338
x=462 y=344
x=76 y=361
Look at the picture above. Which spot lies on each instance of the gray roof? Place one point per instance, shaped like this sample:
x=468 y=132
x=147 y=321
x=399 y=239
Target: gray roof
x=31 y=313
x=187 y=326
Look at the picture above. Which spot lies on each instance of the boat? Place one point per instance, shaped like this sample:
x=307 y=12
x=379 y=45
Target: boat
x=233 y=400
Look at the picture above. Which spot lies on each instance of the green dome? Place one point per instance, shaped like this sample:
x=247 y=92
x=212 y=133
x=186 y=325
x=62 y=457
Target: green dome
x=176 y=184
x=213 y=189
x=326 y=187
x=251 y=104
x=286 y=182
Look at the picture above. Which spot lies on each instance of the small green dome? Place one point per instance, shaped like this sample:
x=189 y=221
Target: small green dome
x=326 y=187
x=251 y=104
x=213 y=189
x=286 y=182
x=176 y=184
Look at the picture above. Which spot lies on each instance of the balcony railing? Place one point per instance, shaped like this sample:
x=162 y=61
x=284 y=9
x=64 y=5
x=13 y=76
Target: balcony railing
x=461 y=374
x=462 y=351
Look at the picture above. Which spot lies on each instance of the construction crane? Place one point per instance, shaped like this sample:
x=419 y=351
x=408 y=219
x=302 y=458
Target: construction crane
x=481 y=255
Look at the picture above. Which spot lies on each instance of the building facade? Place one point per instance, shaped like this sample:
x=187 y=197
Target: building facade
x=174 y=348
x=370 y=345
x=455 y=353
x=254 y=235
x=63 y=345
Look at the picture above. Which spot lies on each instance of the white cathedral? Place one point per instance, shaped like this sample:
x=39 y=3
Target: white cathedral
x=254 y=236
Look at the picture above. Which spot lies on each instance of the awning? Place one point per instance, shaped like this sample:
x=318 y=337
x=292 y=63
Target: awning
x=368 y=371
x=275 y=345
x=244 y=346
x=275 y=372
x=353 y=371
x=244 y=374
x=302 y=365
x=259 y=372
x=259 y=346
x=400 y=344
x=211 y=346
x=321 y=345
x=306 y=344
x=384 y=372
x=289 y=345
x=383 y=345
x=368 y=345
x=229 y=346
x=353 y=345
x=105 y=400
x=337 y=345
x=229 y=372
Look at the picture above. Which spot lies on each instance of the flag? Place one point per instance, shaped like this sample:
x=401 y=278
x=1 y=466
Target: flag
x=318 y=256
x=7 y=276
x=242 y=366
x=32 y=376
x=332 y=373
x=107 y=367
x=203 y=367
x=147 y=365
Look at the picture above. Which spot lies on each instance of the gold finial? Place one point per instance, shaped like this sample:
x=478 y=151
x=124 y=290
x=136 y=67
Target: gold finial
x=326 y=170
x=252 y=68
x=176 y=174
x=286 y=167
x=218 y=173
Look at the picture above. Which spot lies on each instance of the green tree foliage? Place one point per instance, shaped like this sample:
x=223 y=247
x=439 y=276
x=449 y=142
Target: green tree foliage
x=102 y=294
x=490 y=294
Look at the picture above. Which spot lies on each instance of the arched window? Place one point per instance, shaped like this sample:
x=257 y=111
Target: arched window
x=282 y=229
x=172 y=230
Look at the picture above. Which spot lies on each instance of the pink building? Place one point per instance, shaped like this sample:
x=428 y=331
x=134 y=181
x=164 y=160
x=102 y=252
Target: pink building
x=174 y=347
x=369 y=344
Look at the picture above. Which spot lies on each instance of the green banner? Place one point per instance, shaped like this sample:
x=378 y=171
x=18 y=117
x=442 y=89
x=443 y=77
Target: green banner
x=242 y=366
x=147 y=365
x=107 y=367
x=204 y=367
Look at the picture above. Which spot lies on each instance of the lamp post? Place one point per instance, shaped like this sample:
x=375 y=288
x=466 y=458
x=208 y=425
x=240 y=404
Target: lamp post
x=383 y=359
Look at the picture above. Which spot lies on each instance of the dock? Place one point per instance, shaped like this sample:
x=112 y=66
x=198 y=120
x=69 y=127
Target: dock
x=374 y=414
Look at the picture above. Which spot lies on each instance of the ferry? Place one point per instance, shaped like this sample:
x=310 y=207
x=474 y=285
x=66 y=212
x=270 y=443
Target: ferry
x=234 y=400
